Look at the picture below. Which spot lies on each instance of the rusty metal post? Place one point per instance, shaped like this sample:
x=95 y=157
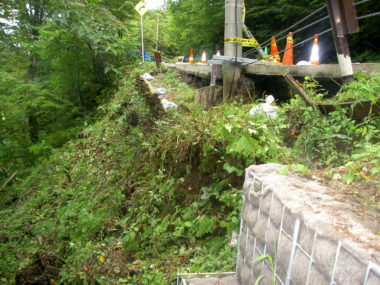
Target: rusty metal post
x=232 y=29
x=343 y=21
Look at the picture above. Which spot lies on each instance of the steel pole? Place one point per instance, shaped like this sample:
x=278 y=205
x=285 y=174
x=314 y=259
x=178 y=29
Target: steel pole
x=158 y=23
x=142 y=38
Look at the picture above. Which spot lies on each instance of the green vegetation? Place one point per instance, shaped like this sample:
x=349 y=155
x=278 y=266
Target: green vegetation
x=269 y=259
x=328 y=140
x=365 y=87
x=164 y=194
x=94 y=189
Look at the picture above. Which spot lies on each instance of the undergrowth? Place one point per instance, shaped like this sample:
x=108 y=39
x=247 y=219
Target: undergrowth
x=365 y=87
x=134 y=200
x=161 y=195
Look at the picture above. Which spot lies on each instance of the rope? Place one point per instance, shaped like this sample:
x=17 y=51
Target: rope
x=300 y=43
x=267 y=42
x=359 y=18
x=369 y=15
x=297 y=23
x=360 y=2
x=296 y=31
x=308 y=26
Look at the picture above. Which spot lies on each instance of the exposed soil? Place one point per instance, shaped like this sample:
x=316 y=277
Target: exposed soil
x=43 y=271
x=363 y=195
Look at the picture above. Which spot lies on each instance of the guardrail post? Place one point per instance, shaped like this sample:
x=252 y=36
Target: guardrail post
x=343 y=21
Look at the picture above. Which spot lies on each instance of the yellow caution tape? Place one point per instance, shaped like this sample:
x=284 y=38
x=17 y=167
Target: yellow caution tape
x=247 y=32
x=244 y=42
x=251 y=41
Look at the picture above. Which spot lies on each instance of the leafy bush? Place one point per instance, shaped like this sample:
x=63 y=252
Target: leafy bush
x=328 y=139
x=365 y=87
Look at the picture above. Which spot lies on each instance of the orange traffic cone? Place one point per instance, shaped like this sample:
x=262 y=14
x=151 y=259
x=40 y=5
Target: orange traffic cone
x=274 y=50
x=191 y=58
x=288 y=55
x=218 y=53
x=314 y=58
x=204 y=58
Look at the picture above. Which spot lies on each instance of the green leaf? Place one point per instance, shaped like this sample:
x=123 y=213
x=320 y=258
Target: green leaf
x=258 y=280
x=262 y=257
x=301 y=168
x=284 y=170
x=230 y=168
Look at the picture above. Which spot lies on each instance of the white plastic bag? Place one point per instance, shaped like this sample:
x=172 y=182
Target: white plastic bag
x=303 y=62
x=266 y=108
x=148 y=77
x=160 y=91
x=168 y=105
x=234 y=240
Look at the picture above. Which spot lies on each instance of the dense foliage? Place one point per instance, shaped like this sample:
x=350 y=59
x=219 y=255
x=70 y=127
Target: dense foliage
x=58 y=61
x=95 y=189
x=196 y=24
x=164 y=193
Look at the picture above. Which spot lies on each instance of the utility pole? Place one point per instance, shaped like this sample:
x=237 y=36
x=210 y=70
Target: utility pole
x=232 y=29
x=343 y=22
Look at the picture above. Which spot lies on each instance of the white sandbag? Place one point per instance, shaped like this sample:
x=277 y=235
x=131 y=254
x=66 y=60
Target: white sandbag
x=168 y=105
x=160 y=91
x=148 y=77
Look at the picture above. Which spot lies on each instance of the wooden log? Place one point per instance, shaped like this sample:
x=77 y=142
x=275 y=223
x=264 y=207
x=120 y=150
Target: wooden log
x=209 y=96
x=295 y=86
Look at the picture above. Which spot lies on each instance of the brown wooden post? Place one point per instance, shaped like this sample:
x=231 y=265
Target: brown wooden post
x=343 y=22
x=232 y=29
x=216 y=72
x=157 y=57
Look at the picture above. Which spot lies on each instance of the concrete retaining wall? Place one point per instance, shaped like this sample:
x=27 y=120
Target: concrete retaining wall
x=312 y=236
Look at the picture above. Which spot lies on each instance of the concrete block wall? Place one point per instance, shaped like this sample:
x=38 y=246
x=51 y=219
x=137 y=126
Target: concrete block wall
x=312 y=237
